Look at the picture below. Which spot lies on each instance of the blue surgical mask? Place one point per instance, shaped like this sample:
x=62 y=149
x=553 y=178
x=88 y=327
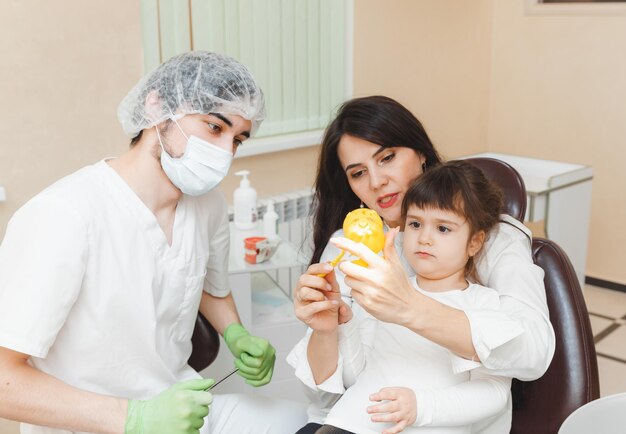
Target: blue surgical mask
x=200 y=169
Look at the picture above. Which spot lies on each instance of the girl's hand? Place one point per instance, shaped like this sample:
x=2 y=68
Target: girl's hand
x=383 y=289
x=317 y=300
x=400 y=407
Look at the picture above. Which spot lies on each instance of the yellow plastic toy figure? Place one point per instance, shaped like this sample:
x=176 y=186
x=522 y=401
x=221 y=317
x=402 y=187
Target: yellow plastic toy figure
x=362 y=225
x=365 y=226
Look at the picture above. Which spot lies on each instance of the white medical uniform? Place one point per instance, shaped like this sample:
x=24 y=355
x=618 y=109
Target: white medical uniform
x=514 y=340
x=93 y=292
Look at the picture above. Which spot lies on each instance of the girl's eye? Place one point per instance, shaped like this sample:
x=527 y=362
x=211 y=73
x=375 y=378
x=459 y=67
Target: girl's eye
x=415 y=225
x=237 y=143
x=443 y=229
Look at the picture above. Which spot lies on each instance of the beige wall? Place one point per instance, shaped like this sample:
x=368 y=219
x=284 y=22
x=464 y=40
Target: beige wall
x=433 y=56
x=65 y=66
x=558 y=91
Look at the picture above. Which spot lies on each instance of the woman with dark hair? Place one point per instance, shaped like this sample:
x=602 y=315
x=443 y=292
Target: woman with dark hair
x=371 y=153
x=378 y=120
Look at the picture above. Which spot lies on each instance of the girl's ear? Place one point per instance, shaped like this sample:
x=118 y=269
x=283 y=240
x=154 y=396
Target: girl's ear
x=475 y=243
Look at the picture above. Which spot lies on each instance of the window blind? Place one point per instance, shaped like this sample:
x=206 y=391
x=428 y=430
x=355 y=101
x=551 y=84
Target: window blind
x=296 y=49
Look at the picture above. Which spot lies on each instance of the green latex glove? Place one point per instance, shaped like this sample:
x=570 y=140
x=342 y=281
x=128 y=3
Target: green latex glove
x=254 y=356
x=178 y=410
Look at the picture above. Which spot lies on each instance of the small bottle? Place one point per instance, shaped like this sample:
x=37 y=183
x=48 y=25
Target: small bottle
x=270 y=221
x=244 y=203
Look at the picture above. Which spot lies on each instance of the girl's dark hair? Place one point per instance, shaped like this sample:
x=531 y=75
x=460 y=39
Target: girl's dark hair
x=376 y=119
x=462 y=188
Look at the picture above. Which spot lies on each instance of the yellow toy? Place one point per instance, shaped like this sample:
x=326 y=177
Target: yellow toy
x=365 y=226
x=362 y=225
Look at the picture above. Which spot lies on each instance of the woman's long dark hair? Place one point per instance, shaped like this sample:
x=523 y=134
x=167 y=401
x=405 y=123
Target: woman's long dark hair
x=376 y=119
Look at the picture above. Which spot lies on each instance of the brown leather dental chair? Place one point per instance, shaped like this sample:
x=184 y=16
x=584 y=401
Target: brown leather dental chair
x=205 y=344
x=571 y=381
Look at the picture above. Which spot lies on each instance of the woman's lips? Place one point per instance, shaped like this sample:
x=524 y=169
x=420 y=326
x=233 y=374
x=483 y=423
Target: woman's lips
x=424 y=255
x=388 y=200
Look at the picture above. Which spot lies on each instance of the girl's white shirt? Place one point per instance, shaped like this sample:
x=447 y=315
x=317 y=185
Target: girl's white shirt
x=452 y=395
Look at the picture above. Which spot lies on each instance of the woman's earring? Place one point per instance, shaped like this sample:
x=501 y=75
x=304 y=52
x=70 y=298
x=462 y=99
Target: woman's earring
x=361 y=206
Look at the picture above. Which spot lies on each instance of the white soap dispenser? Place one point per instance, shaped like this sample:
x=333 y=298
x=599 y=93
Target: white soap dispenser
x=270 y=221
x=244 y=203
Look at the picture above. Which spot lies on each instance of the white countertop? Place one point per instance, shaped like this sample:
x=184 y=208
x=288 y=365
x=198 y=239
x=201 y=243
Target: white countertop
x=541 y=176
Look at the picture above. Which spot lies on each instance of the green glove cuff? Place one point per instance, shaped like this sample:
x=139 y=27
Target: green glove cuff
x=234 y=331
x=134 y=417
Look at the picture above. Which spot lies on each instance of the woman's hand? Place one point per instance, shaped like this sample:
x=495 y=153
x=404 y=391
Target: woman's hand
x=400 y=407
x=317 y=300
x=383 y=289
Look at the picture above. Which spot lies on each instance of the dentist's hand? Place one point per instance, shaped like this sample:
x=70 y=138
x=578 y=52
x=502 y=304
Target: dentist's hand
x=254 y=356
x=178 y=410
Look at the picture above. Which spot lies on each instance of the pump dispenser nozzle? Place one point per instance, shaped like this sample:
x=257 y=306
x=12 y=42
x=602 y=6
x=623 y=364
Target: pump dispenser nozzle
x=245 y=182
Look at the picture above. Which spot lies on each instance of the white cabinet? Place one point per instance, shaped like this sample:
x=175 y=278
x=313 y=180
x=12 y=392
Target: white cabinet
x=559 y=197
x=266 y=310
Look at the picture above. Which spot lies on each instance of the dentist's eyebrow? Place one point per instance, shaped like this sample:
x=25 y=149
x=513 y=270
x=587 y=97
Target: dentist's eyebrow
x=227 y=121
x=223 y=118
x=350 y=166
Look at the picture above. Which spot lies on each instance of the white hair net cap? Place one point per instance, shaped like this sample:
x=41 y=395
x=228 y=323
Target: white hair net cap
x=190 y=83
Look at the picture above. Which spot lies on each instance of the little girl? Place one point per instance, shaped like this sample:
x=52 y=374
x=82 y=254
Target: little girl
x=394 y=379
